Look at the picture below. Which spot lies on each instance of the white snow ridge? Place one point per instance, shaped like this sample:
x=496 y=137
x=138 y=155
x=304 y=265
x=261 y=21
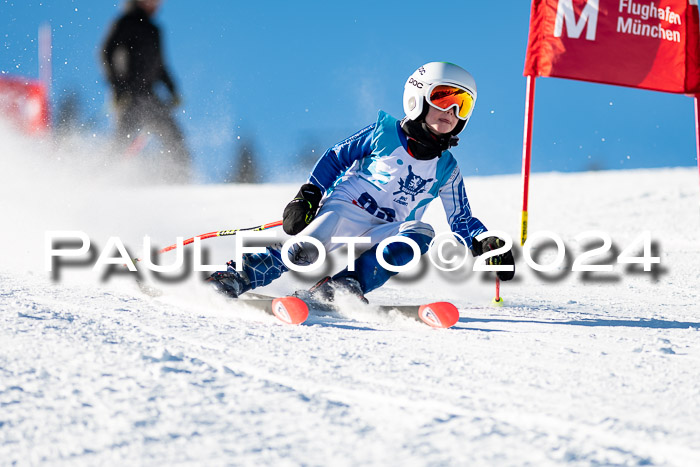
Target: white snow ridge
x=599 y=368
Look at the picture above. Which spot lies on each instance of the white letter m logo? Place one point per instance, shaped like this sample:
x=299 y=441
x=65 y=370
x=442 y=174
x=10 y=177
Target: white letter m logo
x=565 y=12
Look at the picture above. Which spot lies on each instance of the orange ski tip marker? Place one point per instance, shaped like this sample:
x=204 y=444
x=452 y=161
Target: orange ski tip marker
x=439 y=314
x=291 y=310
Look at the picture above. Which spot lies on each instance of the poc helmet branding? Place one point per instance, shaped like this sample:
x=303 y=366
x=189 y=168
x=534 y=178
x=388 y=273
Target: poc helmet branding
x=425 y=78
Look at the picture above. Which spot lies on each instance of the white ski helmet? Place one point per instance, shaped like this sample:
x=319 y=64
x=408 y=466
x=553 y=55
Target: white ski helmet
x=420 y=84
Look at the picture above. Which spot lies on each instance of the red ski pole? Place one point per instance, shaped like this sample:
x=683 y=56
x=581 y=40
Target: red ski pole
x=218 y=233
x=154 y=292
x=223 y=233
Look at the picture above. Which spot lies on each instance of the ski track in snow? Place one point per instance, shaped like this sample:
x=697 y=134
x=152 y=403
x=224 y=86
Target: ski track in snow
x=93 y=376
x=596 y=372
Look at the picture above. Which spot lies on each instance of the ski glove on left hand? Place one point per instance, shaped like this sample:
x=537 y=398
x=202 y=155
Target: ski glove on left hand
x=493 y=243
x=302 y=209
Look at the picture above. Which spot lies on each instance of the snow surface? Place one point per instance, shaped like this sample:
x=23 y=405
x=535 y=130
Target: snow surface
x=597 y=369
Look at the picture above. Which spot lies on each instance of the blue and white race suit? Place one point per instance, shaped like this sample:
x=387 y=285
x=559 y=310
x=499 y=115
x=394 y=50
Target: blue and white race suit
x=374 y=188
x=373 y=170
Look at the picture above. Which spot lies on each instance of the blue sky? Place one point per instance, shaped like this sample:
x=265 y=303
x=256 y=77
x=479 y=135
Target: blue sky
x=281 y=74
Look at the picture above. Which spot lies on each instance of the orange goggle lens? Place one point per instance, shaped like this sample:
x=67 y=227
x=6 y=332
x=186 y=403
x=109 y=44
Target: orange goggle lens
x=444 y=97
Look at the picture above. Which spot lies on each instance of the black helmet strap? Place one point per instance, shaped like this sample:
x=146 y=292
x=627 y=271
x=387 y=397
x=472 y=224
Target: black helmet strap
x=423 y=144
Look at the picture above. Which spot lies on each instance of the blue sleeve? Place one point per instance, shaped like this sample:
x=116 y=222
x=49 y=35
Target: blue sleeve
x=459 y=214
x=338 y=159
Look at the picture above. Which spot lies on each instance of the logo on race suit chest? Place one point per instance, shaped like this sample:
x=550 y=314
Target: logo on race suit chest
x=412 y=185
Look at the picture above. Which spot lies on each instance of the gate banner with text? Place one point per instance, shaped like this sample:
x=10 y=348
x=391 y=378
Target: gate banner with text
x=652 y=44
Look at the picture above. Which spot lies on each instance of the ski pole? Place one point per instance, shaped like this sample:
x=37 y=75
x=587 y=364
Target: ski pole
x=218 y=233
x=498 y=300
x=223 y=233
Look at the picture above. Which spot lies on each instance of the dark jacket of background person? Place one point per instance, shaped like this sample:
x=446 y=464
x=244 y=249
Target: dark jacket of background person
x=133 y=57
x=134 y=66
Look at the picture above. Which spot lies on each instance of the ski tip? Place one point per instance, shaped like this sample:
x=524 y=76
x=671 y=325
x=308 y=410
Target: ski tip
x=291 y=310
x=439 y=314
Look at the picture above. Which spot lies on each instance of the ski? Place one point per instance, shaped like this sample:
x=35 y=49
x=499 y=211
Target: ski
x=436 y=315
x=289 y=310
x=322 y=296
x=295 y=310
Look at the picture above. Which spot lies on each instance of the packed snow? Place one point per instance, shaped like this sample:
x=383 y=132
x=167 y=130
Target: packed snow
x=599 y=368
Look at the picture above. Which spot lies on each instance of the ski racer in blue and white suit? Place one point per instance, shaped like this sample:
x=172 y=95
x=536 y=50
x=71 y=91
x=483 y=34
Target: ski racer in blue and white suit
x=374 y=188
x=377 y=184
x=373 y=170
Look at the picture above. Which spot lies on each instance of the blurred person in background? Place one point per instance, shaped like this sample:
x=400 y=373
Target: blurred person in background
x=143 y=90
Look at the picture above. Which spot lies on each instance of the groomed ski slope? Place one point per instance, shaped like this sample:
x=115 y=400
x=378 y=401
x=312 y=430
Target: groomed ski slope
x=596 y=370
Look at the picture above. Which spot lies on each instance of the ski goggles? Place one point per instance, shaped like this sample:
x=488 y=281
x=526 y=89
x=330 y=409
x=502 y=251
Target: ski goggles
x=445 y=96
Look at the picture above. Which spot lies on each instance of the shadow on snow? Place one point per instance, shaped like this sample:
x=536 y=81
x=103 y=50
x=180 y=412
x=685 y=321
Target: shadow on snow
x=641 y=323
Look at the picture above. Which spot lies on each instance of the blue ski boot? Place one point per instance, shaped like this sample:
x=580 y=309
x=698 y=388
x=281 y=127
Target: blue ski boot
x=231 y=282
x=328 y=288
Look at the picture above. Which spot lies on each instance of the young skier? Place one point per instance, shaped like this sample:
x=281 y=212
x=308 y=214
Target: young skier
x=377 y=184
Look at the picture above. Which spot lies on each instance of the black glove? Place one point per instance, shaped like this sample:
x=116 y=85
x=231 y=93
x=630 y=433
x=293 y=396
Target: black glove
x=493 y=243
x=301 y=210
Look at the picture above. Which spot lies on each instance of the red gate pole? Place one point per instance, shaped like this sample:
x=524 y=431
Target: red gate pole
x=697 y=133
x=527 y=149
